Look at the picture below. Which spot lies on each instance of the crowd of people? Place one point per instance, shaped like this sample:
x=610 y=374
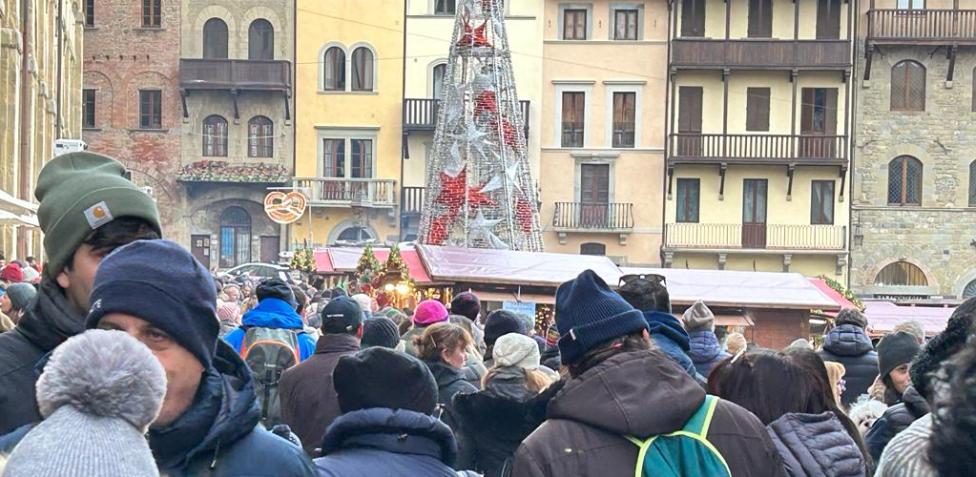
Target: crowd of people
x=123 y=355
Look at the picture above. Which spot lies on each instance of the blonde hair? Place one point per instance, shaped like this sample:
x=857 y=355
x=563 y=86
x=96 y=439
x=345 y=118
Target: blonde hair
x=835 y=372
x=535 y=380
x=735 y=343
x=439 y=338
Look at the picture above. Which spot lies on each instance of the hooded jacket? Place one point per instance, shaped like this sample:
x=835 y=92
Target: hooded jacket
x=387 y=443
x=706 y=352
x=895 y=419
x=273 y=313
x=308 y=398
x=671 y=338
x=220 y=435
x=635 y=394
x=849 y=345
x=46 y=323
x=494 y=422
x=450 y=381
x=816 y=444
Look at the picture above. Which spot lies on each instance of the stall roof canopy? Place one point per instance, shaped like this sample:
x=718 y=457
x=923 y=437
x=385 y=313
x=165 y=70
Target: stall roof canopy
x=451 y=264
x=725 y=288
x=833 y=295
x=883 y=316
x=341 y=260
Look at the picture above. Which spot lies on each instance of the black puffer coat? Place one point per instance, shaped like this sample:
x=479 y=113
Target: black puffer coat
x=849 y=345
x=494 y=422
x=895 y=419
x=816 y=444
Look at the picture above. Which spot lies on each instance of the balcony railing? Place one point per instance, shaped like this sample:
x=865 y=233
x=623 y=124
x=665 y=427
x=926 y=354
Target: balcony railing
x=922 y=26
x=751 y=53
x=612 y=217
x=756 y=236
x=343 y=192
x=213 y=73
x=758 y=148
x=412 y=201
x=420 y=114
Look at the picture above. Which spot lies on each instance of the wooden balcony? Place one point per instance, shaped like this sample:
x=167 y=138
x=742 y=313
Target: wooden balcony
x=757 y=149
x=226 y=74
x=412 y=199
x=778 y=237
x=580 y=217
x=923 y=27
x=702 y=53
x=420 y=114
x=342 y=192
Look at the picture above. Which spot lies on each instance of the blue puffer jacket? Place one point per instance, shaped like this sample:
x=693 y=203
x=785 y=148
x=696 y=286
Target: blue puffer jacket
x=387 y=443
x=705 y=351
x=220 y=436
x=273 y=313
x=672 y=339
x=849 y=345
x=816 y=444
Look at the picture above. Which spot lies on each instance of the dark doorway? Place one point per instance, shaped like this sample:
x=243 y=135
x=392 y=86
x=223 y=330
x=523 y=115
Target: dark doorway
x=200 y=248
x=828 y=19
x=235 y=237
x=270 y=248
x=594 y=195
x=693 y=18
x=754 y=213
x=690 y=121
x=818 y=123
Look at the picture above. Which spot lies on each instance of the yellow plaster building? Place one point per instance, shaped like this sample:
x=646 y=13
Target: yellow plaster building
x=758 y=136
x=348 y=96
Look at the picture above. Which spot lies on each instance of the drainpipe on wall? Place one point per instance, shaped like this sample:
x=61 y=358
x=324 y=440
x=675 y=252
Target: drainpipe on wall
x=403 y=111
x=667 y=124
x=59 y=124
x=26 y=125
x=852 y=29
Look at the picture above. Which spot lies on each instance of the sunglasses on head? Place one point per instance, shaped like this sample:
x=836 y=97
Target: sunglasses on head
x=650 y=277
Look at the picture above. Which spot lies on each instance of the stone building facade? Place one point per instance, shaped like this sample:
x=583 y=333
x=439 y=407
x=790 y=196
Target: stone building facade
x=131 y=96
x=40 y=89
x=237 y=134
x=914 y=191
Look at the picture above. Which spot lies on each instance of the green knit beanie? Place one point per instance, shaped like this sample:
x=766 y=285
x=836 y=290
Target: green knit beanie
x=80 y=192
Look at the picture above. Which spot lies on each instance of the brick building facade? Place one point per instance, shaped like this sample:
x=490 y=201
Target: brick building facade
x=131 y=96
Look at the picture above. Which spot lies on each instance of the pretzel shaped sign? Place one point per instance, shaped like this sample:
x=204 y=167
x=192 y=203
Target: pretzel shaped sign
x=285 y=208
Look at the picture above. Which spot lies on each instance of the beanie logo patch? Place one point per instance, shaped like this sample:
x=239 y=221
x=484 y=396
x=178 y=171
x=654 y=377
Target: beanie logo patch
x=98 y=215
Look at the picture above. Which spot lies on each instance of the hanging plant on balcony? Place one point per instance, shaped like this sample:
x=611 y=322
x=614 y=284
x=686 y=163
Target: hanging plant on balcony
x=222 y=171
x=849 y=295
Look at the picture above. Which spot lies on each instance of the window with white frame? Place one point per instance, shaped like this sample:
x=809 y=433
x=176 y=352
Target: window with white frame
x=343 y=70
x=627 y=22
x=572 y=114
x=575 y=21
x=347 y=154
x=623 y=114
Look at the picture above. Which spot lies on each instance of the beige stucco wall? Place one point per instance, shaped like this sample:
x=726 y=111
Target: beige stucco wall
x=784 y=13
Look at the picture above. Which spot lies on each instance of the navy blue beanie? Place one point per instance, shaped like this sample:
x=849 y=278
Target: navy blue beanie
x=500 y=323
x=589 y=313
x=160 y=282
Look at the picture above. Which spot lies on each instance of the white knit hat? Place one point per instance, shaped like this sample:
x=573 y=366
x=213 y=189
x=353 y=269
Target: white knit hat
x=516 y=350
x=98 y=394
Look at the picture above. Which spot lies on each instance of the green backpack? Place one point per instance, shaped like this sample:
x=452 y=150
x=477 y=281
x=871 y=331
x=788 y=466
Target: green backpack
x=683 y=453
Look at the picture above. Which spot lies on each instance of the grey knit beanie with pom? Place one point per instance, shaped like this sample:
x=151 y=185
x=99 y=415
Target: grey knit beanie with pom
x=98 y=394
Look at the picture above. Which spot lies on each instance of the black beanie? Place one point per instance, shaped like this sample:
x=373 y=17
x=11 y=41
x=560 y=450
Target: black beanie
x=501 y=323
x=380 y=331
x=160 y=282
x=896 y=349
x=467 y=305
x=589 y=313
x=276 y=288
x=381 y=377
x=941 y=347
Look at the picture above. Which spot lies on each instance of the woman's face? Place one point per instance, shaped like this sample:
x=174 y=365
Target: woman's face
x=455 y=357
x=900 y=378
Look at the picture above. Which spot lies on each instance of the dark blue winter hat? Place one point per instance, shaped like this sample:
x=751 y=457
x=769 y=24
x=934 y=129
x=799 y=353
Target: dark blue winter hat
x=160 y=282
x=588 y=313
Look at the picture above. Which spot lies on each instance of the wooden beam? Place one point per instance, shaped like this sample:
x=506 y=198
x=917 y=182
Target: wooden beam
x=721 y=186
x=790 y=170
x=952 y=62
x=183 y=93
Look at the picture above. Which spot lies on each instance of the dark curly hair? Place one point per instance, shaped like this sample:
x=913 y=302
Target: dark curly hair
x=942 y=347
x=952 y=446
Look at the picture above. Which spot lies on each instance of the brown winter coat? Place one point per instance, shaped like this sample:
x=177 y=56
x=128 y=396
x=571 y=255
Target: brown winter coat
x=308 y=398
x=637 y=394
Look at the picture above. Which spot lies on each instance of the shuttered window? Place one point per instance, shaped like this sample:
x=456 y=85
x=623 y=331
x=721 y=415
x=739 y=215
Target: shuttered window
x=822 y=203
x=688 y=199
x=757 y=109
x=572 y=120
x=760 y=18
x=623 y=119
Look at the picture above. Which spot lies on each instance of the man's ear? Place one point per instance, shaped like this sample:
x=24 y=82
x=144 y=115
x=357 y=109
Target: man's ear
x=63 y=280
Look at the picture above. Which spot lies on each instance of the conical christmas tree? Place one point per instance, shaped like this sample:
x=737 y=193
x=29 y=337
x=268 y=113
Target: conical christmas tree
x=480 y=189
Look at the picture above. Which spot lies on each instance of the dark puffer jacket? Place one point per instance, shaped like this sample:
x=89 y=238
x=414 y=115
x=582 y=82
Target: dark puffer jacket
x=895 y=419
x=849 y=345
x=387 y=443
x=49 y=320
x=637 y=394
x=450 y=381
x=494 y=422
x=705 y=352
x=816 y=444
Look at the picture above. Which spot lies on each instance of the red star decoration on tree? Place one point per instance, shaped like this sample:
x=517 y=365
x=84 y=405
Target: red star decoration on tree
x=437 y=234
x=452 y=189
x=523 y=213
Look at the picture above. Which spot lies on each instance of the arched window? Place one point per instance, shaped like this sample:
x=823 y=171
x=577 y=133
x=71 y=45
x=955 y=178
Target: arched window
x=215 y=39
x=901 y=273
x=593 y=249
x=437 y=80
x=260 y=40
x=215 y=136
x=970 y=290
x=908 y=86
x=362 y=69
x=335 y=69
x=355 y=235
x=905 y=181
x=972 y=184
x=235 y=237
x=260 y=137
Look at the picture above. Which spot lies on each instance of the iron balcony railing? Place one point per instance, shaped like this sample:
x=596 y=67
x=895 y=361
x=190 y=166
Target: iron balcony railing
x=756 y=236
x=345 y=192
x=593 y=217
